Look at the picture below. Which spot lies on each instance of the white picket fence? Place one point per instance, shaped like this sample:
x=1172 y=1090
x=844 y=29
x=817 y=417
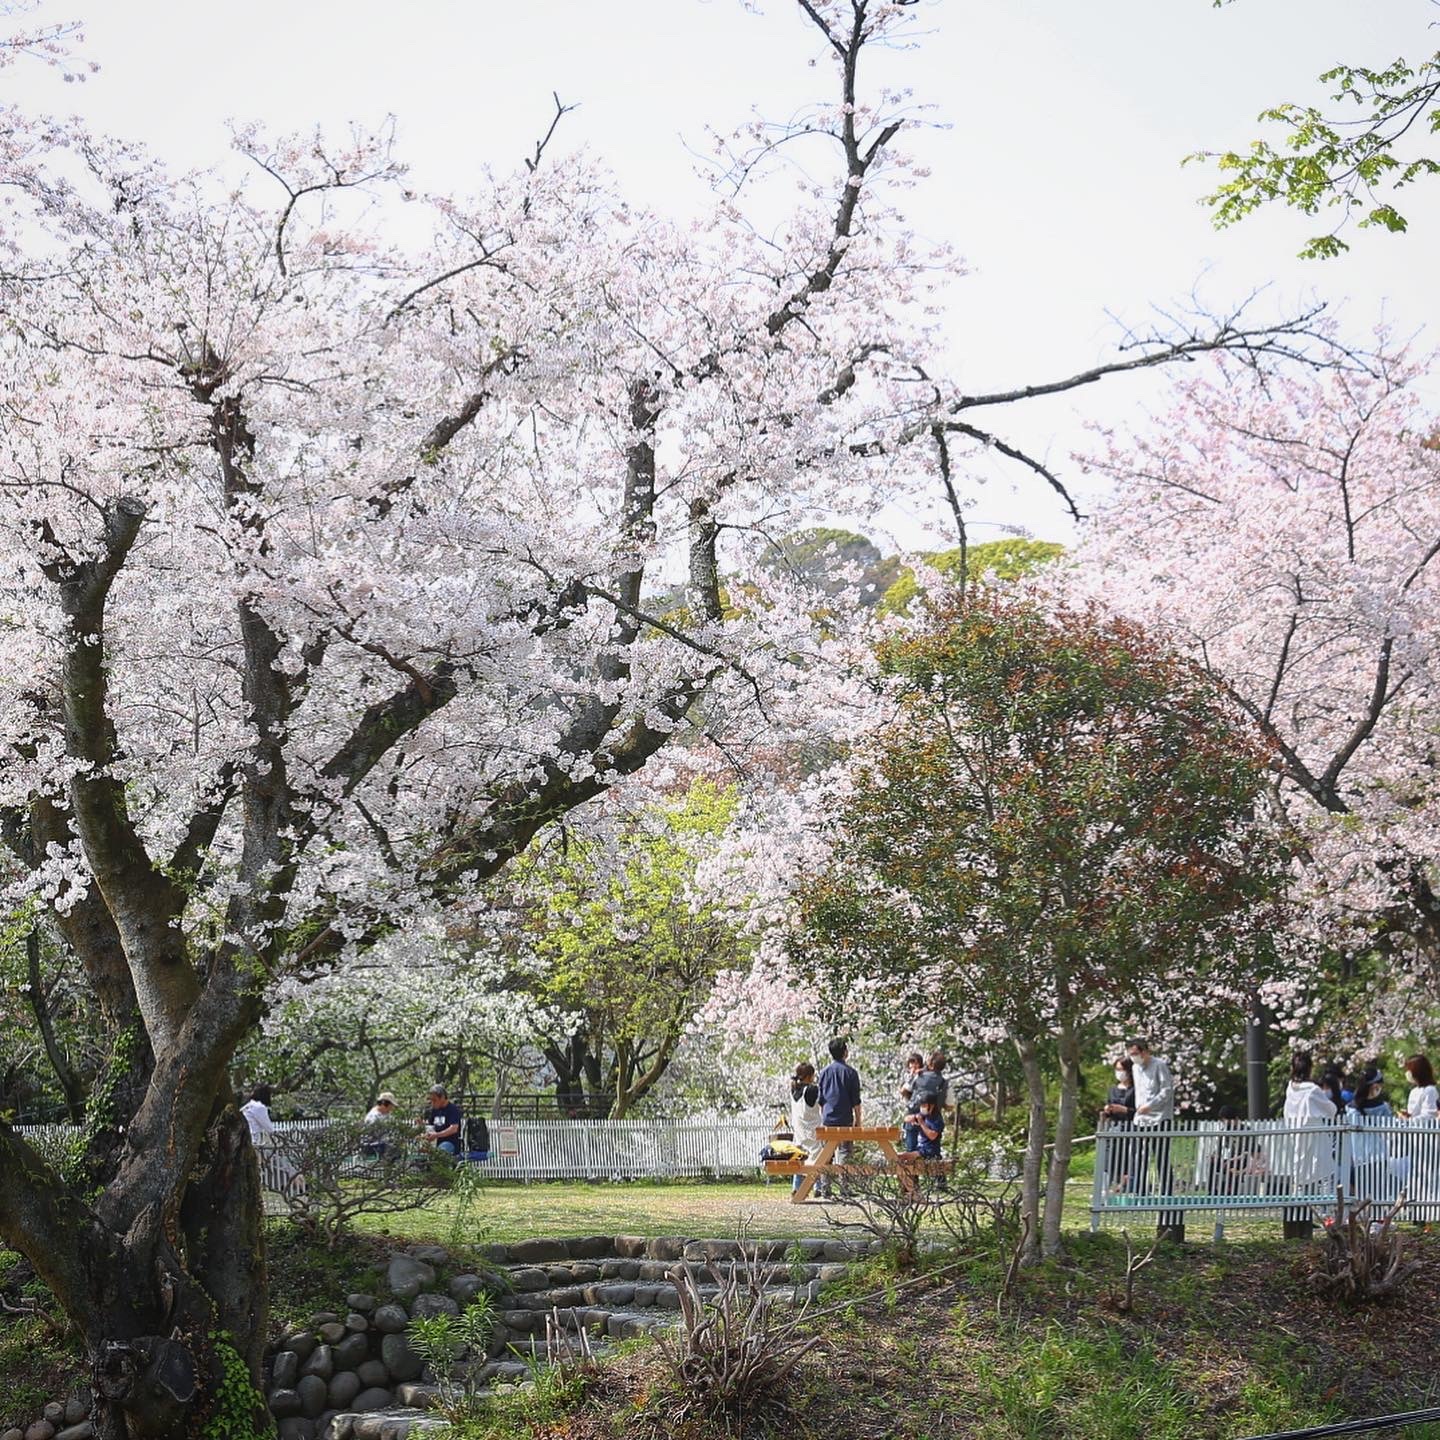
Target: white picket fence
x=1265 y=1167
x=624 y=1149
x=558 y=1149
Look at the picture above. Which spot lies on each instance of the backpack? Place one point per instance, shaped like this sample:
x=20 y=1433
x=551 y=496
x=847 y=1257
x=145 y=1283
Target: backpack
x=477 y=1135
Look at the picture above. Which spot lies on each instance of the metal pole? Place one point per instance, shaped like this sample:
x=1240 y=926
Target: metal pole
x=1256 y=1060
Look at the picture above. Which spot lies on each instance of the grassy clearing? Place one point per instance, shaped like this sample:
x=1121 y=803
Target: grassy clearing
x=504 y=1212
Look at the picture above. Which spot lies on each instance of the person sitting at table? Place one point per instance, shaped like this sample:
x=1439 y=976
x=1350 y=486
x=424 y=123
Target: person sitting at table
x=930 y=1126
x=442 y=1121
x=375 y=1143
x=1237 y=1163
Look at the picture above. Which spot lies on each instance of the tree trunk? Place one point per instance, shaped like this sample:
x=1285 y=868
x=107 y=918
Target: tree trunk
x=1034 y=1148
x=597 y=1097
x=1069 y=1052
x=1257 y=1060
x=169 y=1296
x=622 y=1077
x=163 y=1320
x=154 y=1248
x=567 y=1063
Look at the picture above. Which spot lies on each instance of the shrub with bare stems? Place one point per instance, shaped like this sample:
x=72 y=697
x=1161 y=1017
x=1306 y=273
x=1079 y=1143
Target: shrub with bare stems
x=955 y=1206
x=332 y=1175
x=732 y=1356
x=1359 y=1259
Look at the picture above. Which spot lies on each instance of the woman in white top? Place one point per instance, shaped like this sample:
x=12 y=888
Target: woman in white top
x=805 y=1113
x=1306 y=1104
x=1424 y=1102
x=256 y=1111
x=277 y=1171
x=1420 y=1178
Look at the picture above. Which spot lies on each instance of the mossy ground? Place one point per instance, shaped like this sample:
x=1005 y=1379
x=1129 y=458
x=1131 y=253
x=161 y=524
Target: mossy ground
x=39 y=1355
x=1225 y=1341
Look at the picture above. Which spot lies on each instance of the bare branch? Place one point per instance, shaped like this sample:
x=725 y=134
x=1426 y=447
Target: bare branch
x=1251 y=342
x=532 y=162
x=1014 y=453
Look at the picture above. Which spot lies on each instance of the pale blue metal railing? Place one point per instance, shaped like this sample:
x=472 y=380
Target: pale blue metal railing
x=1265 y=1167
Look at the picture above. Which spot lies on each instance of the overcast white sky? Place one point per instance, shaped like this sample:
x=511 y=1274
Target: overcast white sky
x=1058 y=178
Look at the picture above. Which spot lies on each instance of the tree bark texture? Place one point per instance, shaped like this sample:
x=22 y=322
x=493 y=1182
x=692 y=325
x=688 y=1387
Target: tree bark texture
x=1034 y=1147
x=1068 y=1046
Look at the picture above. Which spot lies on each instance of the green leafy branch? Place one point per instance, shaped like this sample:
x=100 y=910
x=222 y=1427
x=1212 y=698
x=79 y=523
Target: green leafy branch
x=1336 y=161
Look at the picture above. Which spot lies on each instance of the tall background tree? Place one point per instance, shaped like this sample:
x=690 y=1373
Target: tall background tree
x=1286 y=536
x=623 y=951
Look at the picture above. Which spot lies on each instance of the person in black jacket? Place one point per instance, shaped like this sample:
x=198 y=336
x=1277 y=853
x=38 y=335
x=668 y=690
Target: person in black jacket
x=1117 y=1113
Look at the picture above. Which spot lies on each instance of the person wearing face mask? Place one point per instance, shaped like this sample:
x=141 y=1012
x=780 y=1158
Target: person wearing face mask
x=1117 y=1113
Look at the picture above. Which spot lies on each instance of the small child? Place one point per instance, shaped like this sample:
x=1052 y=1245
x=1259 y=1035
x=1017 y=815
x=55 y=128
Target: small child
x=929 y=1126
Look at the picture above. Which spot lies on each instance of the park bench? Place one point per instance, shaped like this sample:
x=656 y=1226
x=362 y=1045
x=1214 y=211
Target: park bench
x=831 y=1137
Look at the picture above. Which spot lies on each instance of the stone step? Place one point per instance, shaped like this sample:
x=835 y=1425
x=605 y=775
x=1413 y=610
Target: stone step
x=621 y=1295
x=529 y=1278
x=393 y=1424
x=351 y=1373
x=599 y=1248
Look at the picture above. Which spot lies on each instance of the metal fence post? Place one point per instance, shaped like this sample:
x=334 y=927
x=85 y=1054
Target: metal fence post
x=1102 y=1169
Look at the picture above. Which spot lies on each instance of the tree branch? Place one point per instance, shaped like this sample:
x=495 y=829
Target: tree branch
x=141 y=900
x=1011 y=452
x=1227 y=336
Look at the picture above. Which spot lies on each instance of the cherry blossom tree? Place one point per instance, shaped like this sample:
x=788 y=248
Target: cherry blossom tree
x=421 y=1006
x=1286 y=535
x=327 y=553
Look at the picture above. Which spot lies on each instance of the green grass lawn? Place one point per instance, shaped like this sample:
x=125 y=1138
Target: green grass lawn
x=500 y=1212
x=503 y=1212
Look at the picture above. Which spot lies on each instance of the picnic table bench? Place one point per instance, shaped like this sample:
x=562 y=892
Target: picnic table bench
x=831 y=1138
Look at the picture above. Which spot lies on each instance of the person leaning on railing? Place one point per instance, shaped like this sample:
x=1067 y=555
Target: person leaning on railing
x=1424 y=1100
x=1371 y=1173
x=1421 y=1108
x=1308 y=1106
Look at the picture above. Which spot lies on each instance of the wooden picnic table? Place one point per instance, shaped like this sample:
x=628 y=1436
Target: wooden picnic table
x=831 y=1138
